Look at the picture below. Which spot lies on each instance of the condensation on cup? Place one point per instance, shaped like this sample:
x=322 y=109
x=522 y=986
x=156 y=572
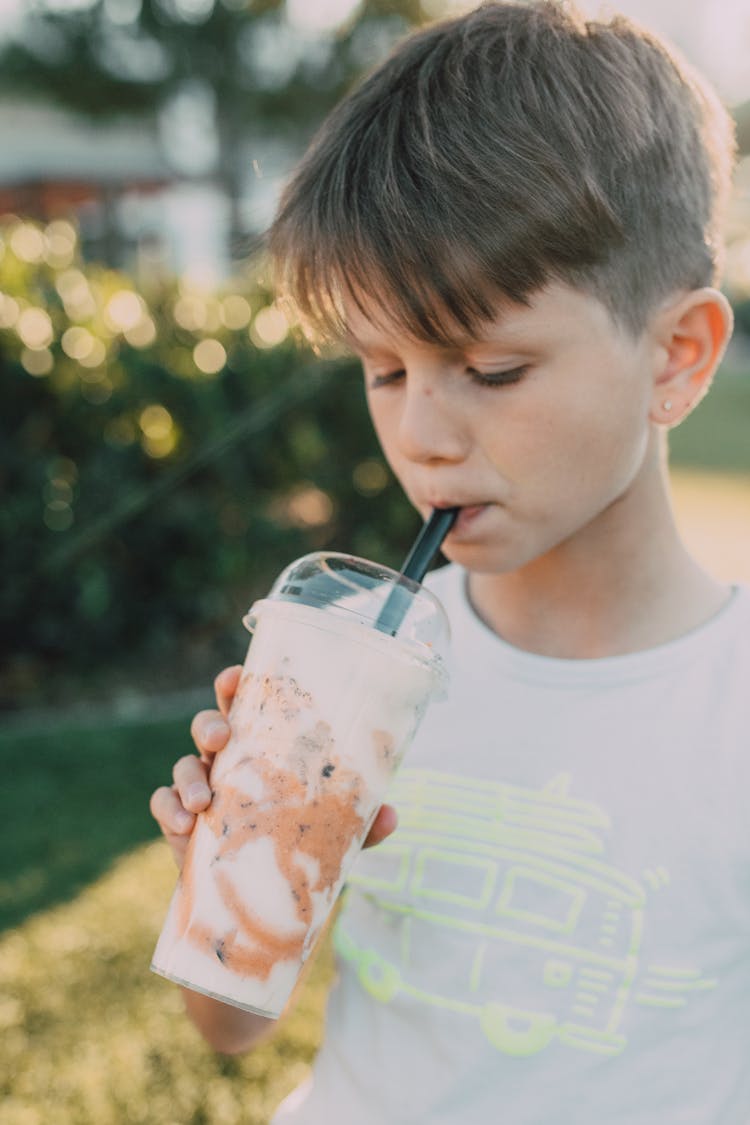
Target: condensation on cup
x=329 y=700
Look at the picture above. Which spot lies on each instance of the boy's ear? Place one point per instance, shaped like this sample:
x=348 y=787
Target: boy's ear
x=692 y=334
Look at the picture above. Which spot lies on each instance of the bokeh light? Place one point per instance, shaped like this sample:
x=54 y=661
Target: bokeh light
x=58 y=515
x=191 y=11
x=77 y=342
x=320 y=16
x=57 y=494
x=76 y=294
x=27 y=243
x=61 y=241
x=124 y=310
x=58 y=489
x=34 y=328
x=235 y=312
x=209 y=356
x=37 y=361
x=308 y=506
x=96 y=356
x=195 y=311
x=190 y=312
x=269 y=328
x=370 y=477
x=122 y=12
x=438 y=9
x=9 y=311
x=159 y=436
x=142 y=334
x=155 y=421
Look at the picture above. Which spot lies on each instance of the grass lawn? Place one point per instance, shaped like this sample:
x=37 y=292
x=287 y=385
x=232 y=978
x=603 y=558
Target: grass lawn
x=79 y=799
x=90 y=1036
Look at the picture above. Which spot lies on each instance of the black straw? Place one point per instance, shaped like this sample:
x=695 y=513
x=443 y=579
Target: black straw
x=417 y=563
x=427 y=544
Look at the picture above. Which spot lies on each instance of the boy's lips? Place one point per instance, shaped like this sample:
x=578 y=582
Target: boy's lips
x=467 y=515
x=456 y=503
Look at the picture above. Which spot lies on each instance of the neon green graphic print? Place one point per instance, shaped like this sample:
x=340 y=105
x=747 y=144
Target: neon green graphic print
x=513 y=883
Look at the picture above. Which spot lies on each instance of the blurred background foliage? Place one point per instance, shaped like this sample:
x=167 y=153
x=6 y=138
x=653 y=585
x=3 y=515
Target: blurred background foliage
x=166 y=445
x=163 y=454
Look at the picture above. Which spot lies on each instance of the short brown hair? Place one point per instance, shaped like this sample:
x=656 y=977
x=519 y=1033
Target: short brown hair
x=495 y=152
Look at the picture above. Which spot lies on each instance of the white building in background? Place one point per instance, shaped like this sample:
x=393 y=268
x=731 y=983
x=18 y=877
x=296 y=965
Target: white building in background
x=138 y=205
x=53 y=163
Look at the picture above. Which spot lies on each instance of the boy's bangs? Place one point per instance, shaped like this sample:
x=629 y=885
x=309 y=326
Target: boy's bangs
x=433 y=249
x=426 y=296
x=434 y=289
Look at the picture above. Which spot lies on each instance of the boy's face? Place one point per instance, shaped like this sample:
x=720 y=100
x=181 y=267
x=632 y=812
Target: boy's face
x=539 y=428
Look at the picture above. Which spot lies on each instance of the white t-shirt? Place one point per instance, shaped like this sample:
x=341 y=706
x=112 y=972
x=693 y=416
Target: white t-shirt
x=558 y=933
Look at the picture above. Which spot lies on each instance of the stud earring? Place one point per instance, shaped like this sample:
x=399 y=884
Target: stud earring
x=667 y=405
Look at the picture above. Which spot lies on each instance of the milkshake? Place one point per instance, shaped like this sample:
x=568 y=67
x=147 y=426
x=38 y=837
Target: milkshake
x=327 y=705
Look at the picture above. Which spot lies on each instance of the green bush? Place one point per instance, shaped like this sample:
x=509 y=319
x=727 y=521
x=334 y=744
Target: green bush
x=163 y=453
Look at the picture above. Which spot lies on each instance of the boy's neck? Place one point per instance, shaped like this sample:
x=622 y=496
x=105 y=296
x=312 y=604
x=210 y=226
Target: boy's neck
x=642 y=588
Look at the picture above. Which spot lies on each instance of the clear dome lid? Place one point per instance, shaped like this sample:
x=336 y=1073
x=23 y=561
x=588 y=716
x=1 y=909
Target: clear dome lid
x=365 y=592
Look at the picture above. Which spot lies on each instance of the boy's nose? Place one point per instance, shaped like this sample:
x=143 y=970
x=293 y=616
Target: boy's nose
x=430 y=428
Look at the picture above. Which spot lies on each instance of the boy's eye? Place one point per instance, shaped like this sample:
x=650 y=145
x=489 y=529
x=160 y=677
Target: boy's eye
x=498 y=378
x=386 y=380
x=483 y=378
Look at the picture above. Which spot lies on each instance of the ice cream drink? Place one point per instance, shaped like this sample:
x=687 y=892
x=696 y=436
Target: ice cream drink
x=326 y=707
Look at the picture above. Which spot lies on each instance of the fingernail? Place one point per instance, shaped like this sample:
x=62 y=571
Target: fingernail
x=216 y=728
x=183 y=821
x=198 y=792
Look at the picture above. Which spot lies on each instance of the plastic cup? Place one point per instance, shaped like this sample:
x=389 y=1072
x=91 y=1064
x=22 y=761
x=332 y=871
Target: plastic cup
x=327 y=704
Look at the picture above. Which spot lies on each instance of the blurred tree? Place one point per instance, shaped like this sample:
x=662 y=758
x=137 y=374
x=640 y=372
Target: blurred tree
x=162 y=456
x=266 y=67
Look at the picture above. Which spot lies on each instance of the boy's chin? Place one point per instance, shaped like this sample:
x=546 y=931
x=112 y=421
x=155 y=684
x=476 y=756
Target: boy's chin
x=476 y=558
x=486 y=555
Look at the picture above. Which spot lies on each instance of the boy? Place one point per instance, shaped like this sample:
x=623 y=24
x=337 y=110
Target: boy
x=516 y=223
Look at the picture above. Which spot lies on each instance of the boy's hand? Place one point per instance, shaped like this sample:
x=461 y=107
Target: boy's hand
x=174 y=807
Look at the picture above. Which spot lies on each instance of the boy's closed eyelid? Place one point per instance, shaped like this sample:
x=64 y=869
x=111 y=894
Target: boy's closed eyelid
x=386 y=379
x=500 y=378
x=504 y=377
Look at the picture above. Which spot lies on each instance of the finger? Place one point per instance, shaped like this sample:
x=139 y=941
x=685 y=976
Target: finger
x=210 y=732
x=225 y=686
x=169 y=813
x=384 y=823
x=191 y=783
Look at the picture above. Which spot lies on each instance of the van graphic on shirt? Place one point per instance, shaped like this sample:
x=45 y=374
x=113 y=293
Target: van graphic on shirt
x=542 y=938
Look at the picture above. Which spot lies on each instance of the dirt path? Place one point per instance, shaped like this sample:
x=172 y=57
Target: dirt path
x=713 y=513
